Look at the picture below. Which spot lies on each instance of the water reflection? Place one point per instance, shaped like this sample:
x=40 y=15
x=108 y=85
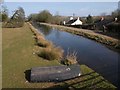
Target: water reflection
x=45 y=30
x=89 y=52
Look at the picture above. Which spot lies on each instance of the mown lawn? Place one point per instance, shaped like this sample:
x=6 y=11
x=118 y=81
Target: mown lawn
x=17 y=52
x=0 y=56
x=89 y=80
x=18 y=45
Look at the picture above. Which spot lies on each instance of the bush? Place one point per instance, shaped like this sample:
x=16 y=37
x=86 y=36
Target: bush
x=70 y=59
x=89 y=19
x=54 y=53
x=50 y=52
x=113 y=27
x=3 y=13
x=4 y=17
x=44 y=16
x=43 y=43
x=40 y=37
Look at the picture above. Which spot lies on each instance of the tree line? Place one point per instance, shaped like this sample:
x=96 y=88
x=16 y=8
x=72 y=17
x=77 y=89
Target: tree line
x=18 y=18
x=46 y=17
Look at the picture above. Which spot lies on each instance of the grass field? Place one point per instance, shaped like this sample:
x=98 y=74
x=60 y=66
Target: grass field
x=0 y=56
x=18 y=57
x=18 y=45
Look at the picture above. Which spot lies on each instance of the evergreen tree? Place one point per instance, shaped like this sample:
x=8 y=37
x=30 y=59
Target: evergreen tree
x=89 y=19
x=3 y=13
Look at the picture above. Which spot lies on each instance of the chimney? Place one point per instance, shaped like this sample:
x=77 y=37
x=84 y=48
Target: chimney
x=102 y=18
x=116 y=19
x=71 y=18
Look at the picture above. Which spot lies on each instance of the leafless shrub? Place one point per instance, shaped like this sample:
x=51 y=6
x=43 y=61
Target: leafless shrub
x=70 y=59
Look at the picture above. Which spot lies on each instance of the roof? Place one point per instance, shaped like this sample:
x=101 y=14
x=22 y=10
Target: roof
x=71 y=21
x=103 y=22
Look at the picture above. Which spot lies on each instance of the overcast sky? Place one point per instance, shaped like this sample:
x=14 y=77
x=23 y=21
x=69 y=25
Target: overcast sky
x=64 y=8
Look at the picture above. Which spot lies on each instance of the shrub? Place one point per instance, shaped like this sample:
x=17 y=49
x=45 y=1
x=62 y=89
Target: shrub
x=89 y=19
x=70 y=59
x=40 y=37
x=50 y=52
x=43 y=43
x=44 y=16
x=4 y=17
x=54 y=53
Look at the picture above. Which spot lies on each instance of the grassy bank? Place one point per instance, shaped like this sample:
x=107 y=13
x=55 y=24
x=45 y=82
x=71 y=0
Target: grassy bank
x=0 y=55
x=89 y=80
x=19 y=57
x=115 y=43
x=47 y=49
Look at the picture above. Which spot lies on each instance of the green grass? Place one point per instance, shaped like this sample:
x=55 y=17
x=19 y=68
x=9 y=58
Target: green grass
x=0 y=55
x=18 y=45
x=17 y=52
x=89 y=80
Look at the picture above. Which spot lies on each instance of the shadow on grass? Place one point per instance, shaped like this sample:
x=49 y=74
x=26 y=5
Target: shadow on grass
x=27 y=75
x=86 y=81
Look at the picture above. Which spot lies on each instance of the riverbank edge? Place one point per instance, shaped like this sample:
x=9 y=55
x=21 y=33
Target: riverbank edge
x=109 y=41
x=82 y=67
x=19 y=80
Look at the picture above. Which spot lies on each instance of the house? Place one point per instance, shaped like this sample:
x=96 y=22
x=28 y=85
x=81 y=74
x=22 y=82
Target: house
x=106 y=24
x=73 y=22
x=100 y=24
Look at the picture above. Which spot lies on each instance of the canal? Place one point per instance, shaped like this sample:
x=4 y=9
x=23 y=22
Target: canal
x=93 y=54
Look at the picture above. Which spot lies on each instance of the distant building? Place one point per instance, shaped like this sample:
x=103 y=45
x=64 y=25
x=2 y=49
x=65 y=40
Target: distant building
x=116 y=19
x=71 y=18
x=102 y=24
x=64 y=22
x=74 y=21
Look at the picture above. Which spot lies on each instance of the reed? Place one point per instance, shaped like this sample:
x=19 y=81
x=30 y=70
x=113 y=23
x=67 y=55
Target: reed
x=54 y=53
x=70 y=59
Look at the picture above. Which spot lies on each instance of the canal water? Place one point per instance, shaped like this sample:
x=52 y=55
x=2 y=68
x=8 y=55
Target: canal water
x=93 y=54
